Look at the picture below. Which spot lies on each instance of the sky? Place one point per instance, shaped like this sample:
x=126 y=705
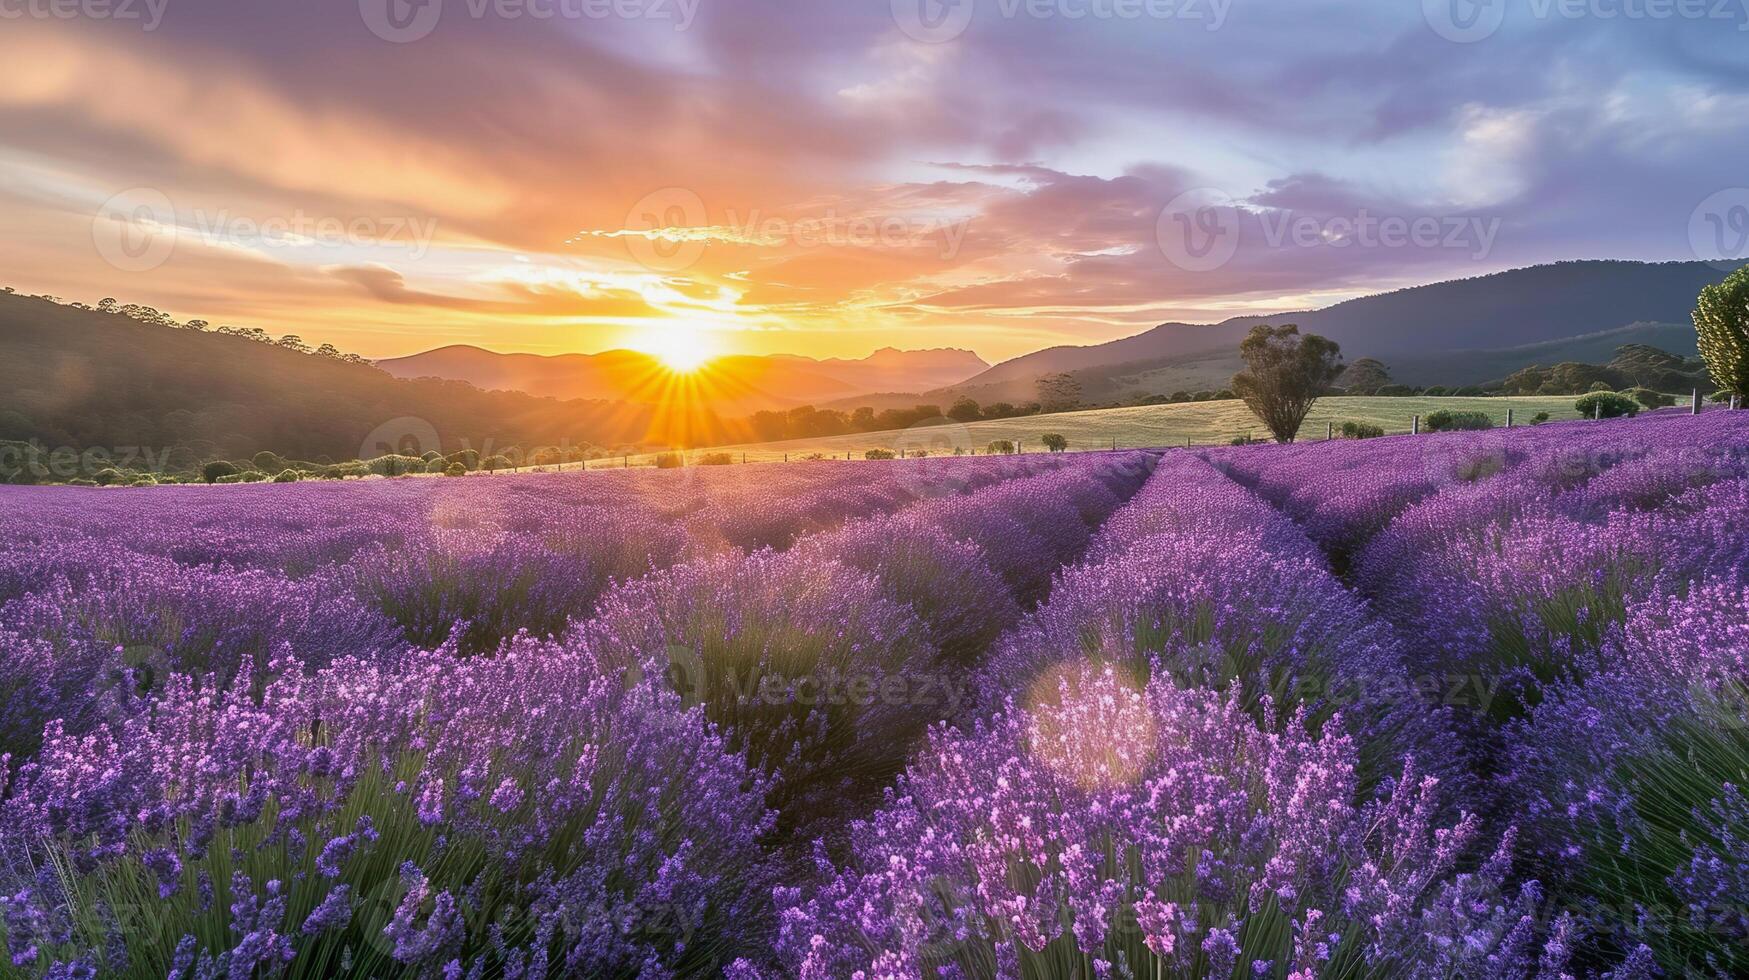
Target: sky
x=826 y=177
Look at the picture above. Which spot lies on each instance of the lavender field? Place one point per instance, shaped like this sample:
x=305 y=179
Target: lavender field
x=1455 y=705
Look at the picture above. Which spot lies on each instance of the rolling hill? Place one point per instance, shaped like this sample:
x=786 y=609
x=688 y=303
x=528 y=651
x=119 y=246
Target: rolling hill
x=734 y=385
x=83 y=379
x=1459 y=332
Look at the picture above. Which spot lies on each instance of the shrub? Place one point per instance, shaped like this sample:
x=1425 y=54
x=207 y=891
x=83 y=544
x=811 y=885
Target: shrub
x=469 y=459
x=1054 y=442
x=215 y=470
x=1539 y=418
x=107 y=476
x=1600 y=386
x=674 y=461
x=287 y=476
x=494 y=463
x=1445 y=420
x=267 y=461
x=455 y=469
x=878 y=454
x=1361 y=430
x=80 y=481
x=437 y=465
x=395 y=465
x=1607 y=404
x=1650 y=398
x=716 y=459
x=1000 y=447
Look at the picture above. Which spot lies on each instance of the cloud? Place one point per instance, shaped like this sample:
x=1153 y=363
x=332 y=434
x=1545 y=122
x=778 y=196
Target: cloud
x=1027 y=161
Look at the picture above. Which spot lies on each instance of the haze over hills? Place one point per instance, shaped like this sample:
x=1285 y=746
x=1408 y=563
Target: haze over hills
x=736 y=384
x=1465 y=331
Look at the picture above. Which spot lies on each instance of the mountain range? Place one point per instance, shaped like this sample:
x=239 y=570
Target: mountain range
x=1458 y=332
x=1463 y=331
x=732 y=385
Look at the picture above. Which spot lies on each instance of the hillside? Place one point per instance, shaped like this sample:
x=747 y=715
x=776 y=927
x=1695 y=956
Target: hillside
x=1462 y=331
x=734 y=385
x=80 y=378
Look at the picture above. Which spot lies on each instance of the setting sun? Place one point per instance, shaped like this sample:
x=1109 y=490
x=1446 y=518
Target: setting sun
x=681 y=349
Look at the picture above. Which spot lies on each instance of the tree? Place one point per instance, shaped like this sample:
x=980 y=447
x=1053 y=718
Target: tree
x=1054 y=442
x=1058 y=393
x=1721 y=323
x=1000 y=447
x=212 y=471
x=1606 y=405
x=1365 y=376
x=965 y=410
x=1284 y=374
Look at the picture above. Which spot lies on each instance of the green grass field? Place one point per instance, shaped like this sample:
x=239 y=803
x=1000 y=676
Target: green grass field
x=1153 y=426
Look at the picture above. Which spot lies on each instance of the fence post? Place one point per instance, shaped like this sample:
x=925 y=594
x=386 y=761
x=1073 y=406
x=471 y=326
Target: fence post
x=1597 y=411
x=1509 y=418
x=1415 y=426
x=625 y=462
x=1694 y=408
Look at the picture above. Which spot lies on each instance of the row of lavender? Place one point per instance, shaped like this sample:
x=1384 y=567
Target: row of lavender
x=1201 y=757
x=620 y=799
x=100 y=595
x=1590 y=582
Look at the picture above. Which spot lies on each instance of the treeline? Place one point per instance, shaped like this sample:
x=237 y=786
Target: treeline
x=808 y=422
